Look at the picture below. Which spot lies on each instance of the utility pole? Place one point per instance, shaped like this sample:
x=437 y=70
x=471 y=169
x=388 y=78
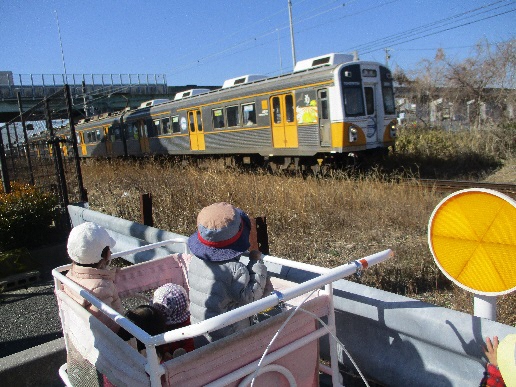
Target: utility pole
x=387 y=56
x=292 y=35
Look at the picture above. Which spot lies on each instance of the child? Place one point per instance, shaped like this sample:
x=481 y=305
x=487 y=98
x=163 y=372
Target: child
x=167 y=311
x=89 y=248
x=492 y=375
x=150 y=320
x=172 y=301
x=219 y=282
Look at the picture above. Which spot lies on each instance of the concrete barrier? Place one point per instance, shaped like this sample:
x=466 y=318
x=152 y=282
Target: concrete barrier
x=37 y=366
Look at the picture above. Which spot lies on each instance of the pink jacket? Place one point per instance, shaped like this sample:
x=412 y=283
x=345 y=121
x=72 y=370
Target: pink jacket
x=101 y=284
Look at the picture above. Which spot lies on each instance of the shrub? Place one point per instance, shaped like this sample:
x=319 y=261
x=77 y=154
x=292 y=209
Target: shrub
x=26 y=215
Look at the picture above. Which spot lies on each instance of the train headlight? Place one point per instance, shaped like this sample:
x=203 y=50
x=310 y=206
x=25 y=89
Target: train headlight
x=394 y=130
x=353 y=134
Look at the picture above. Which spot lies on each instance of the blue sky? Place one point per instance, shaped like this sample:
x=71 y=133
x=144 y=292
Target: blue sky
x=206 y=42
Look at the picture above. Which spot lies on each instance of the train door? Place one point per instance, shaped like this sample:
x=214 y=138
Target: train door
x=109 y=144
x=64 y=146
x=143 y=135
x=324 y=117
x=196 y=132
x=84 y=149
x=371 y=113
x=284 y=126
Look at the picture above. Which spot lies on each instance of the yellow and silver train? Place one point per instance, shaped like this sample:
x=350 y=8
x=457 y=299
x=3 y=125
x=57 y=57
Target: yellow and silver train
x=327 y=108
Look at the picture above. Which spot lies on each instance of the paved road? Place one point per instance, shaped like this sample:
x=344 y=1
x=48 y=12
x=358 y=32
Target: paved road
x=29 y=316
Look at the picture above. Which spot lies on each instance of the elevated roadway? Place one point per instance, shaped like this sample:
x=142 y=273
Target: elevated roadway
x=91 y=93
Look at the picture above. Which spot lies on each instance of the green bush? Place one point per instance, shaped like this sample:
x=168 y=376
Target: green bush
x=26 y=215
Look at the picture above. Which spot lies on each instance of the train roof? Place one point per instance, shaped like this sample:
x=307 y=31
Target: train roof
x=316 y=68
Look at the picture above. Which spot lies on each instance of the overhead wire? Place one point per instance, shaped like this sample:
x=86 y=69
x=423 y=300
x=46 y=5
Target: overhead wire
x=440 y=31
x=393 y=40
x=253 y=39
x=428 y=27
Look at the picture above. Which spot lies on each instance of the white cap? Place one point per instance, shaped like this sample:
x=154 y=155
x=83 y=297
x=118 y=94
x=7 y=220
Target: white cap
x=86 y=242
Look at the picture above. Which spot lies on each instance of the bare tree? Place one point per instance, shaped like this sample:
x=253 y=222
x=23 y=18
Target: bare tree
x=487 y=76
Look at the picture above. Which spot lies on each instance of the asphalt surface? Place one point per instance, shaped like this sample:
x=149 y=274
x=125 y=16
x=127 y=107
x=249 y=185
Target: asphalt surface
x=28 y=317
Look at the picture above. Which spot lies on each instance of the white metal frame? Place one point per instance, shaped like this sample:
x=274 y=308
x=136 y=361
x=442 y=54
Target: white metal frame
x=155 y=370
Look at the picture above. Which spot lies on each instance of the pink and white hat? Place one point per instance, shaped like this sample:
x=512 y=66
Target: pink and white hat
x=222 y=233
x=172 y=300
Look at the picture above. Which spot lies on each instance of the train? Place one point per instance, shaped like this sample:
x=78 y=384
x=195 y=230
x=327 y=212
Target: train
x=328 y=108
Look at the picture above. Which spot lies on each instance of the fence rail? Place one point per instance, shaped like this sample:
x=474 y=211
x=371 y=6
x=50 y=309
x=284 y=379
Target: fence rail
x=37 y=86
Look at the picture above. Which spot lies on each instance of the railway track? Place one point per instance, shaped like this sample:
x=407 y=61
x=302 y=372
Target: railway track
x=452 y=186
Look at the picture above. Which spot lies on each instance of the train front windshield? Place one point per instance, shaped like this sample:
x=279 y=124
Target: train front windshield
x=389 y=105
x=353 y=94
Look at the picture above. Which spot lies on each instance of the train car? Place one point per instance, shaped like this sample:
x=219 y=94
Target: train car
x=327 y=108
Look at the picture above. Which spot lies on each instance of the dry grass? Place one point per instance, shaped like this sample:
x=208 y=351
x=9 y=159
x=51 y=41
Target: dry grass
x=322 y=222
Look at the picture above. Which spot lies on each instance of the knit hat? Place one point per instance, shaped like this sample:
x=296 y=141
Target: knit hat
x=222 y=233
x=172 y=301
x=86 y=242
x=506 y=357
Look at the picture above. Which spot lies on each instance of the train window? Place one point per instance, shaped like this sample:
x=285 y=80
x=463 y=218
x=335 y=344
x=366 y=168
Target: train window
x=97 y=132
x=276 y=109
x=353 y=101
x=165 y=125
x=157 y=125
x=369 y=97
x=388 y=99
x=218 y=118
x=118 y=134
x=78 y=137
x=149 y=128
x=249 y=114
x=175 y=124
x=387 y=91
x=289 y=107
x=323 y=97
x=199 y=121
x=233 y=116
x=132 y=131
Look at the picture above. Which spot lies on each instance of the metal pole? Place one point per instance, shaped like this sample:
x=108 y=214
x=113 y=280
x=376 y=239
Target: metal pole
x=58 y=161
x=10 y=149
x=292 y=34
x=484 y=306
x=26 y=138
x=124 y=139
x=146 y=209
x=82 y=191
x=6 y=184
x=17 y=140
x=84 y=99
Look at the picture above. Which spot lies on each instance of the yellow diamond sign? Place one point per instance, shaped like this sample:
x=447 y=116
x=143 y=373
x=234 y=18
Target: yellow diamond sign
x=472 y=236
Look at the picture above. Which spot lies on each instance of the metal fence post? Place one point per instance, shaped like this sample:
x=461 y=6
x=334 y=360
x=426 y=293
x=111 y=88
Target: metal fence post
x=123 y=133
x=78 y=171
x=146 y=209
x=11 y=156
x=58 y=161
x=261 y=235
x=26 y=138
x=6 y=184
